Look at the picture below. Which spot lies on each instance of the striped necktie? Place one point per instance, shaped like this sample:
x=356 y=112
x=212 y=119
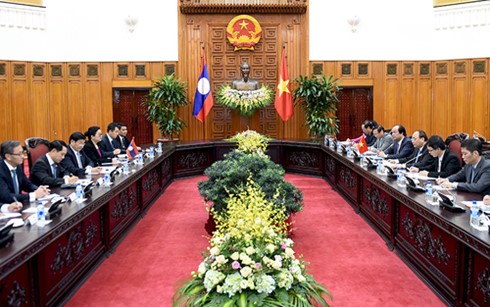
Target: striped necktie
x=15 y=181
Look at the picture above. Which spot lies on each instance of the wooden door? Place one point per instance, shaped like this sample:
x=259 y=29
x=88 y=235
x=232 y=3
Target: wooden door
x=356 y=105
x=128 y=107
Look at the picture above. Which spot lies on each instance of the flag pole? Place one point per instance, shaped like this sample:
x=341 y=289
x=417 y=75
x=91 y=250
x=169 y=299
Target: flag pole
x=283 y=122
x=204 y=122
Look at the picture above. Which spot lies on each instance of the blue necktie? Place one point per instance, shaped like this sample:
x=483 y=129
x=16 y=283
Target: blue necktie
x=418 y=155
x=472 y=174
x=80 y=163
x=16 y=183
x=53 y=167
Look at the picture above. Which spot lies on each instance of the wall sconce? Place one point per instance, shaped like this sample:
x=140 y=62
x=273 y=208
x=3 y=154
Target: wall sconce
x=353 y=22
x=131 y=22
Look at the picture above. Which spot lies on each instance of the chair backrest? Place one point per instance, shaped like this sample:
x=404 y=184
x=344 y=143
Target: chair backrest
x=36 y=147
x=455 y=146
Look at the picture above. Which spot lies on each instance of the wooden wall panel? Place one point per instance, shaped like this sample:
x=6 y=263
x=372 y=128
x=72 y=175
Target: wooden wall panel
x=39 y=109
x=5 y=102
x=58 y=107
x=440 y=97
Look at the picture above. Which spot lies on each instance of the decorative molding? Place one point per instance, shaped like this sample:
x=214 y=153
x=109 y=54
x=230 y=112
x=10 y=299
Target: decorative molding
x=124 y=203
x=441 y=68
x=317 y=69
x=56 y=71
x=140 y=70
x=408 y=69
x=460 y=67
x=17 y=296
x=304 y=159
x=74 y=70
x=38 y=70
x=192 y=160
x=377 y=202
x=363 y=69
x=420 y=232
x=391 y=69
x=22 y=17
x=122 y=70
x=169 y=69
x=483 y=284
x=78 y=242
x=453 y=17
x=346 y=176
x=245 y=7
x=92 y=70
x=150 y=179
x=479 y=67
x=3 y=69
x=425 y=69
x=19 y=70
x=346 y=69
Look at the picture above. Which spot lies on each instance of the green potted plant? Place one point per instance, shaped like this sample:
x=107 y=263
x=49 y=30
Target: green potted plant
x=318 y=96
x=164 y=100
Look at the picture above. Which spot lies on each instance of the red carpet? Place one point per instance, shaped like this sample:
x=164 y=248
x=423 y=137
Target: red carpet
x=346 y=255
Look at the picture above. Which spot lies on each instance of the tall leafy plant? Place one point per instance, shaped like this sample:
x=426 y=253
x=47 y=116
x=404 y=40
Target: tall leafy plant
x=164 y=99
x=317 y=95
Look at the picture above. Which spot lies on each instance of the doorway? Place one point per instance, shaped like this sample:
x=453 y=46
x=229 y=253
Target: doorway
x=128 y=107
x=356 y=105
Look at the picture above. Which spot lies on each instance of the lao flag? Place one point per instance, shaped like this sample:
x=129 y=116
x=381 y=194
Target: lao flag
x=203 y=100
x=284 y=99
x=362 y=146
x=132 y=150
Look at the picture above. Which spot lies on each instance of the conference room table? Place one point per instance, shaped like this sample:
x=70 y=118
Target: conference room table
x=45 y=266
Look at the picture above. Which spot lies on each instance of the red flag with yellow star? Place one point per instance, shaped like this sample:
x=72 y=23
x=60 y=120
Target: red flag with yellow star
x=362 y=145
x=284 y=99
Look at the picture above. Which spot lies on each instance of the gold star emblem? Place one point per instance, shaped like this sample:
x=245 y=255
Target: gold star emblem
x=244 y=24
x=283 y=86
x=361 y=144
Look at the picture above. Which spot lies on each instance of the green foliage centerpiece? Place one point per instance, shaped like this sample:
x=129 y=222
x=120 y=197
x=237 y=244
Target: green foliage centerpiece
x=250 y=261
x=245 y=101
x=229 y=176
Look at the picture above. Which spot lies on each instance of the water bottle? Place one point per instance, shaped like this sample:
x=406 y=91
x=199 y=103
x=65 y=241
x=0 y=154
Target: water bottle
x=152 y=151
x=79 y=191
x=361 y=160
x=107 y=179
x=41 y=214
x=125 y=167
x=140 y=159
x=428 y=192
x=159 y=148
x=474 y=214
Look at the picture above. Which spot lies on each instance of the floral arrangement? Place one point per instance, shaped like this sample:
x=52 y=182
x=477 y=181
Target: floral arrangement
x=250 y=261
x=245 y=101
x=251 y=142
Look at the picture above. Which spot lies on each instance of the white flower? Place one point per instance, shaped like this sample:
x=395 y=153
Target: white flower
x=276 y=265
x=258 y=221
x=245 y=259
x=300 y=278
x=235 y=256
x=250 y=250
x=214 y=251
x=245 y=271
x=289 y=252
x=270 y=248
x=266 y=259
x=221 y=259
x=202 y=269
x=217 y=240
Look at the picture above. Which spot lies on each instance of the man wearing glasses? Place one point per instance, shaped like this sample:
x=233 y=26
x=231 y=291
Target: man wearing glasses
x=13 y=181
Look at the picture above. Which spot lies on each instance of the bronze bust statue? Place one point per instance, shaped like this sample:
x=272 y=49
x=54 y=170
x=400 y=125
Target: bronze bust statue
x=245 y=84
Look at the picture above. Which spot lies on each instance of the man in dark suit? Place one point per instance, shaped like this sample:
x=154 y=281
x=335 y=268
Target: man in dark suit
x=76 y=161
x=475 y=176
x=48 y=171
x=402 y=146
x=110 y=140
x=420 y=157
x=446 y=162
x=123 y=139
x=13 y=181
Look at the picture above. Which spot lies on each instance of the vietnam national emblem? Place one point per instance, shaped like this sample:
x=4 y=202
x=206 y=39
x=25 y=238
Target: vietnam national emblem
x=244 y=32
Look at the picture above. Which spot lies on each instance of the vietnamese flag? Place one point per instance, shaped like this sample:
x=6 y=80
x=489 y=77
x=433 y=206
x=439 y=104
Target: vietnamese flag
x=203 y=100
x=362 y=145
x=284 y=99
